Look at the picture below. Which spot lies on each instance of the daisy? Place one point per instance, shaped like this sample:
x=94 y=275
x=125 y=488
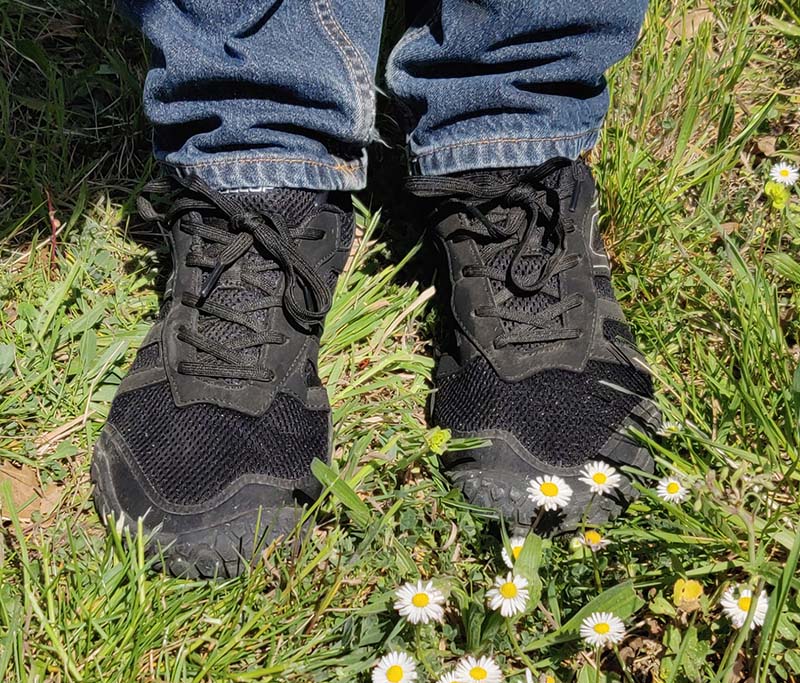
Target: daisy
x=549 y=492
x=395 y=667
x=672 y=490
x=483 y=670
x=516 y=543
x=601 y=628
x=737 y=608
x=419 y=603
x=593 y=540
x=600 y=477
x=784 y=173
x=509 y=594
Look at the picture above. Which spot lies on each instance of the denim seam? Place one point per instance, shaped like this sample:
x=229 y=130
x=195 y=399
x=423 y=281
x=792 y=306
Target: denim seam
x=359 y=74
x=494 y=141
x=348 y=166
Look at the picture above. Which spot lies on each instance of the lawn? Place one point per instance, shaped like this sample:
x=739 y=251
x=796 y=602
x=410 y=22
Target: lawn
x=707 y=266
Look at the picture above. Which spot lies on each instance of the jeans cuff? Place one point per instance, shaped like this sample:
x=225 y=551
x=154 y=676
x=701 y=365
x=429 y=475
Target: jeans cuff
x=257 y=172
x=505 y=152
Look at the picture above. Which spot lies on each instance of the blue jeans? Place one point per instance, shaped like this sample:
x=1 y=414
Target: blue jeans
x=282 y=94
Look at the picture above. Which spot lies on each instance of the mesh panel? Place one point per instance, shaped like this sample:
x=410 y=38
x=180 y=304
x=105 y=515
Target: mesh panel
x=147 y=357
x=603 y=286
x=190 y=453
x=561 y=417
x=290 y=203
x=614 y=331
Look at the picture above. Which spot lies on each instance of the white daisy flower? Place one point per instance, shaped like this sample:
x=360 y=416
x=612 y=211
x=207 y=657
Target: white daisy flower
x=549 y=492
x=784 y=173
x=448 y=678
x=737 y=608
x=483 y=670
x=600 y=477
x=601 y=628
x=509 y=594
x=419 y=603
x=516 y=543
x=672 y=490
x=593 y=540
x=395 y=667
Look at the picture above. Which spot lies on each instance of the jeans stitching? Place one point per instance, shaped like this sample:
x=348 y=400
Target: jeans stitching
x=348 y=166
x=495 y=141
x=355 y=66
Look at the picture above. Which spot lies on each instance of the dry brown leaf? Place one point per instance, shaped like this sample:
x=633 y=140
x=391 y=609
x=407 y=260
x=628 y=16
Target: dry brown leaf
x=766 y=145
x=687 y=26
x=27 y=494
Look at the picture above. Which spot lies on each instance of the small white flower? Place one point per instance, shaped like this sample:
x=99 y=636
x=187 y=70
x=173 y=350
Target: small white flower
x=784 y=173
x=600 y=477
x=672 y=490
x=549 y=492
x=419 y=603
x=448 y=678
x=509 y=594
x=593 y=540
x=395 y=667
x=668 y=428
x=601 y=628
x=483 y=670
x=516 y=543
x=737 y=608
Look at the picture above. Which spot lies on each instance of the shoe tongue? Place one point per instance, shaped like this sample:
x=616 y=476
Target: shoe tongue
x=293 y=204
x=529 y=264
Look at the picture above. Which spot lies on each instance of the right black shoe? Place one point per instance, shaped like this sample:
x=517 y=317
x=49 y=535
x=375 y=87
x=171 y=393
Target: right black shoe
x=211 y=435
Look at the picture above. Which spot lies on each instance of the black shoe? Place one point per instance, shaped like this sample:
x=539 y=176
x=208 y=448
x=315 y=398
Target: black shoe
x=538 y=358
x=211 y=435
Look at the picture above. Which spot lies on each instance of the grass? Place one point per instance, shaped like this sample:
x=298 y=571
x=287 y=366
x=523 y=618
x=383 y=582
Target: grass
x=706 y=267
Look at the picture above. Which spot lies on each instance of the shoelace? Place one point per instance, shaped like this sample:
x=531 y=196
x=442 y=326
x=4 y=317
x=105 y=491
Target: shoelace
x=271 y=233
x=476 y=196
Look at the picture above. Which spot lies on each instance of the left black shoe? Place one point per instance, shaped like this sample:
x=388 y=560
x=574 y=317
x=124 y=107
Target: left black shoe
x=538 y=359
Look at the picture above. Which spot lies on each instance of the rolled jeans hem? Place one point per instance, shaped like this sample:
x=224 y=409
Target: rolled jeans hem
x=505 y=152
x=264 y=172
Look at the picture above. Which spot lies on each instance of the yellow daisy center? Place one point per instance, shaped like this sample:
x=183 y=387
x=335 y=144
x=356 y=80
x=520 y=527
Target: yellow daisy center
x=420 y=600
x=784 y=172
x=516 y=550
x=602 y=628
x=394 y=673
x=549 y=489
x=599 y=478
x=673 y=487
x=478 y=673
x=508 y=590
x=744 y=603
x=592 y=537
x=549 y=679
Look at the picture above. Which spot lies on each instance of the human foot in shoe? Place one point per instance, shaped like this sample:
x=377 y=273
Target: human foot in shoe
x=211 y=435
x=538 y=359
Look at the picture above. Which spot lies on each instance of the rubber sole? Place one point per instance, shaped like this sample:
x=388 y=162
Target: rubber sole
x=195 y=548
x=502 y=486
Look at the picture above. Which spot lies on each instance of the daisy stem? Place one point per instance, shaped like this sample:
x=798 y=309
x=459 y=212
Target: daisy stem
x=420 y=654
x=596 y=567
x=513 y=636
x=597 y=665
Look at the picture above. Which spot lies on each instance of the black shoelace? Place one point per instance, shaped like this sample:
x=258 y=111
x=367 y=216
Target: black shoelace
x=540 y=205
x=243 y=228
